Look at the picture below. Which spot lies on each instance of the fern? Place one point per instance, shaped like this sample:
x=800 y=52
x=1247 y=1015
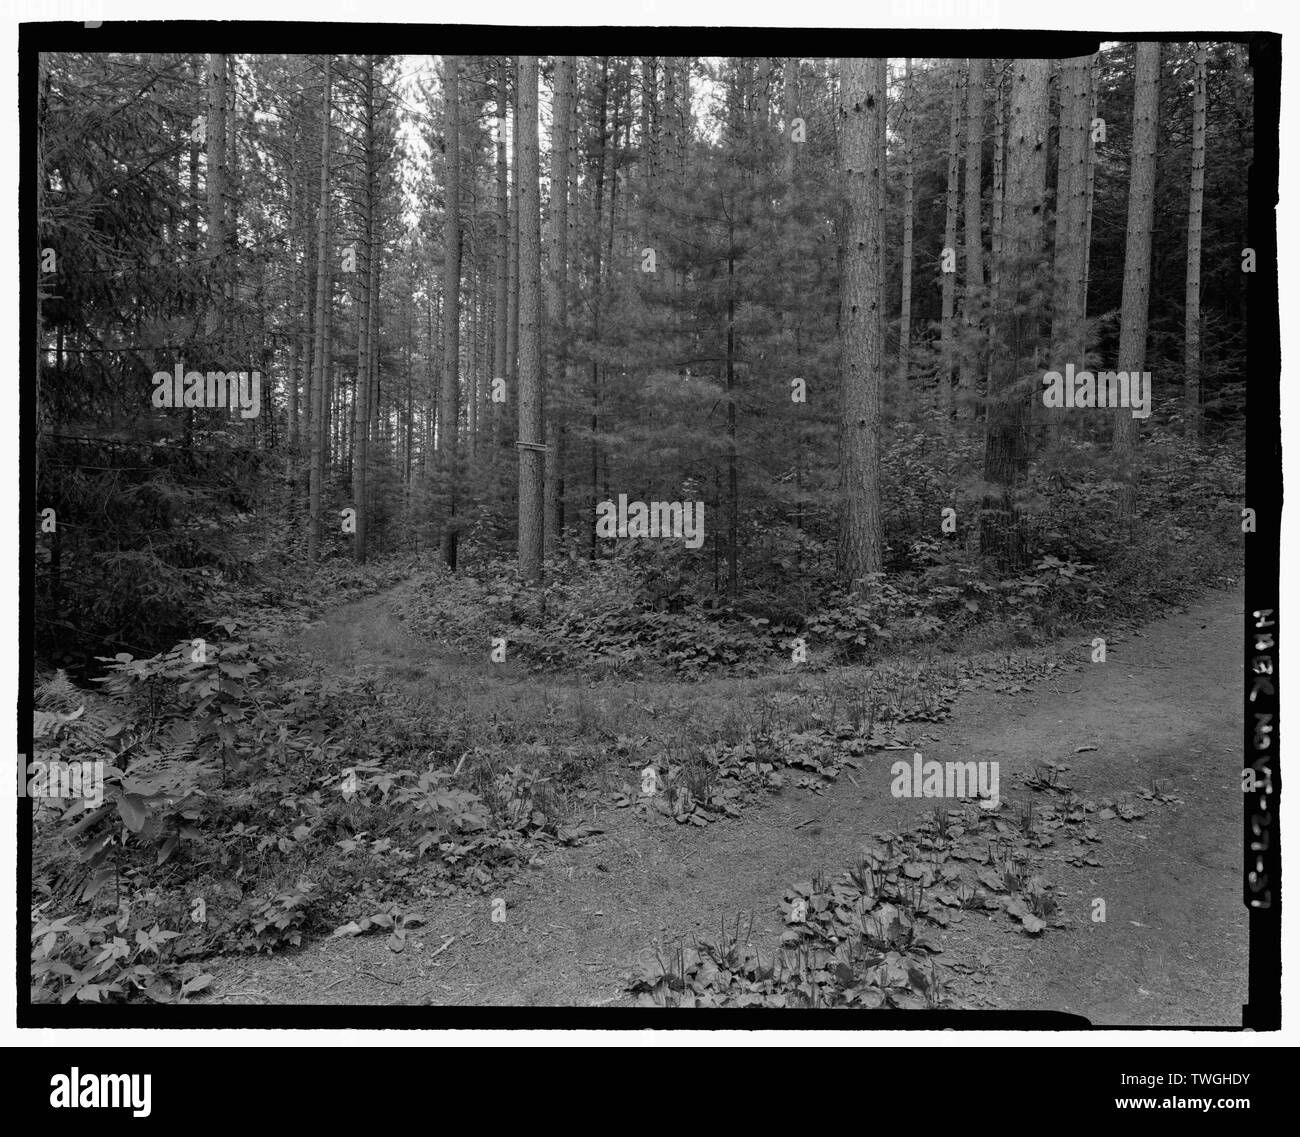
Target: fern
x=99 y=724
x=60 y=703
x=169 y=765
x=46 y=724
x=56 y=692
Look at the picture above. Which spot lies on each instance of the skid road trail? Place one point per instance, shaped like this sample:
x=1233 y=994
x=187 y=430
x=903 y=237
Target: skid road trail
x=1164 y=708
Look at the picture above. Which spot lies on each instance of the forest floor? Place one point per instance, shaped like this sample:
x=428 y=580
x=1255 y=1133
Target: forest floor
x=1162 y=714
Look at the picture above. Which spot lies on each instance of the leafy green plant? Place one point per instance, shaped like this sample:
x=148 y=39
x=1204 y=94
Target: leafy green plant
x=97 y=960
x=394 y=921
x=266 y=923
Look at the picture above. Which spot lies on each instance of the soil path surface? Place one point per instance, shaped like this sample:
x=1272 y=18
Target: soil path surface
x=1163 y=712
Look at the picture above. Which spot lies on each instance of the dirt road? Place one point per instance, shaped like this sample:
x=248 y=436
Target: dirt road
x=1162 y=712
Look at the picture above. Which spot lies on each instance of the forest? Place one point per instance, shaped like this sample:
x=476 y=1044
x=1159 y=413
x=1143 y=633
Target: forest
x=469 y=487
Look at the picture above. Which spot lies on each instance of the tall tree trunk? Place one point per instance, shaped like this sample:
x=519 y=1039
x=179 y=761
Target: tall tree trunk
x=198 y=72
x=449 y=421
x=557 y=294
x=862 y=167
x=297 y=300
x=531 y=496
x=40 y=424
x=974 y=236
x=1019 y=315
x=320 y=403
x=908 y=127
x=602 y=139
x=1069 y=298
x=670 y=165
x=327 y=357
x=232 y=178
x=997 y=206
x=649 y=84
x=512 y=263
x=790 y=322
x=1192 y=308
x=1090 y=158
x=472 y=377
x=307 y=329
x=500 y=368
x=361 y=405
x=1134 y=305
x=410 y=404
x=429 y=443
x=614 y=171
x=741 y=126
x=375 y=306
x=215 y=131
x=733 y=486
x=338 y=426
x=571 y=253
x=947 y=329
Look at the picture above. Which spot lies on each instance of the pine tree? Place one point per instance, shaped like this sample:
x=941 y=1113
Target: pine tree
x=1018 y=319
x=974 y=240
x=500 y=366
x=324 y=284
x=365 y=302
x=215 y=130
x=449 y=414
x=562 y=102
x=908 y=128
x=862 y=167
x=531 y=497
x=1137 y=259
x=1069 y=294
x=948 y=273
x=1192 y=299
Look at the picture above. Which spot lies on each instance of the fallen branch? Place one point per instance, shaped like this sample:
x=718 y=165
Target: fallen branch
x=390 y=982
